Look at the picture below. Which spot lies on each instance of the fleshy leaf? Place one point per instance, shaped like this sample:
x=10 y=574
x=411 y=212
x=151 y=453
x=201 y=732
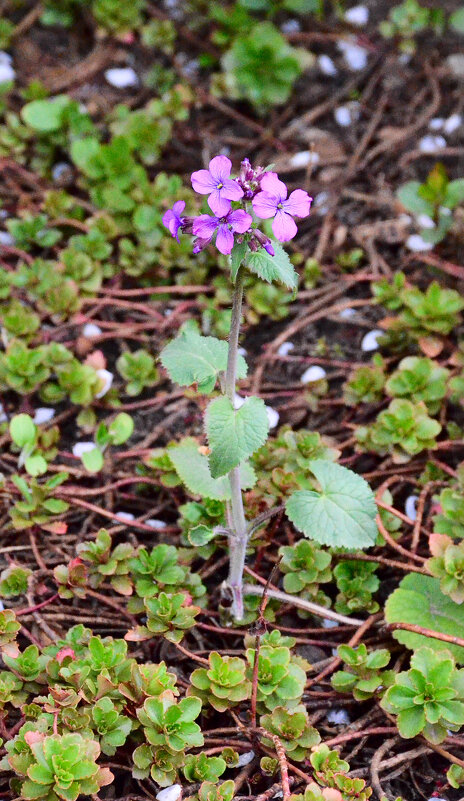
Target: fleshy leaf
x=193 y=469
x=234 y=434
x=341 y=514
x=273 y=268
x=93 y=460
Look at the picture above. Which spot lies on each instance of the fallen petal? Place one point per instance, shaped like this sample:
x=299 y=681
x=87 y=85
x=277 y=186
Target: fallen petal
x=370 y=340
x=313 y=373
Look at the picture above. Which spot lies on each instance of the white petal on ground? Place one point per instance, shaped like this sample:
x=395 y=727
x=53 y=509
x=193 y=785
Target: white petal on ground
x=338 y=716
x=303 y=158
x=245 y=759
x=417 y=244
x=345 y=314
x=455 y=63
x=328 y=623
x=370 y=340
x=241 y=351
x=313 y=373
x=5 y=58
x=425 y=221
x=445 y=210
x=172 y=793
x=272 y=416
x=91 y=330
x=122 y=77
x=342 y=116
x=126 y=516
x=3 y=417
x=431 y=144
x=107 y=377
x=6 y=239
x=326 y=65
x=7 y=72
x=452 y=123
x=358 y=15
x=285 y=348
x=156 y=524
x=82 y=447
x=354 y=55
x=321 y=202
x=43 y=414
x=436 y=123
x=290 y=26
x=60 y=169
x=410 y=507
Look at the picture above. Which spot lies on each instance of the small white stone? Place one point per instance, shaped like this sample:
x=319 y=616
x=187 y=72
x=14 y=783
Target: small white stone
x=245 y=759
x=241 y=351
x=7 y=72
x=126 y=516
x=3 y=417
x=404 y=58
x=338 y=716
x=354 y=55
x=60 y=169
x=6 y=239
x=285 y=348
x=405 y=219
x=43 y=414
x=172 y=793
x=328 y=623
x=313 y=373
x=455 y=63
x=452 y=123
x=358 y=15
x=272 y=416
x=154 y=523
x=370 y=340
x=91 y=330
x=5 y=58
x=1 y=606
x=410 y=507
x=430 y=144
x=417 y=244
x=345 y=314
x=436 y=123
x=238 y=401
x=168 y=312
x=290 y=26
x=342 y=116
x=122 y=77
x=304 y=157
x=82 y=447
x=321 y=203
x=425 y=221
x=326 y=65
x=107 y=377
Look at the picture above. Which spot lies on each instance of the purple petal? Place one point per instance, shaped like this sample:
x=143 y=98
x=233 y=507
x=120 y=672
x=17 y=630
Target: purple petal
x=218 y=203
x=268 y=247
x=283 y=226
x=203 y=182
x=239 y=220
x=172 y=223
x=298 y=204
x=231 y=190
x=178 y=207
x=224 y=240
x=265 y=205
x=270 y=183
x=220 y=168
x=204 y=226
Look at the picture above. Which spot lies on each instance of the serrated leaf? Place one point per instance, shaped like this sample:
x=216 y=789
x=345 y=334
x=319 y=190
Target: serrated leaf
x=273 y=268
x=200 y=535
x=193 y=359
x=419 y=600
x=236 y=258
x=234 y=434
x=341 y=514
x=193 y=469
x=93 y=460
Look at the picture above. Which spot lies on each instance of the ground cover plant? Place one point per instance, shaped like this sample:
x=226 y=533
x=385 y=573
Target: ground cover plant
x=231 y=401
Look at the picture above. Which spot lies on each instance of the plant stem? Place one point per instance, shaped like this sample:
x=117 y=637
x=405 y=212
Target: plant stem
x=238 y=541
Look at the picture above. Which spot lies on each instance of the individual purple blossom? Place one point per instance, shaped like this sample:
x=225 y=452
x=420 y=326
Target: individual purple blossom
x=205 y=226
x=216 y=183
x=172 y=219
x=272 y=201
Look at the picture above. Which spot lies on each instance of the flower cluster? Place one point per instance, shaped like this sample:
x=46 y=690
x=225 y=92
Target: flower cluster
x=256 y=193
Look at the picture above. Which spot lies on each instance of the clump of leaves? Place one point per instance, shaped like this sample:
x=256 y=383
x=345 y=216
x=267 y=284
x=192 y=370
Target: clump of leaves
x=428 y=698
x=451 y=516
x=38 y=506
x=293 y=730
x=170 y=615
x=14 y=581
x=408 y=19
x=435 y=311
x=111 y=727
x=222 y=685
x=364 y=675
x=434 y=200
x=116 y=433
x=30 y=231
x=161 y=570
x=19 y=320
x=216 y=792
x=419 y=379
x=118 y=17
x=138 y=369
x=281 y=679
x=365 y=384
x=22 y=368
x=356 y=583
x=106 y=562
x=9 y=626
x=404 y=430
x=201 y=768
x=447 y=564
x=330 y=772
x=305 y=566
x=24 y=433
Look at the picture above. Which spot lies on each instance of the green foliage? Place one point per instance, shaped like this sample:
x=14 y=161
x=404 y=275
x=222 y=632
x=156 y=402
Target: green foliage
x=436 y=198
x=138 y=369
x=14 y=581
x=216 y=792
x=113 y=728
x=388 y=293
x=281 y=680
x=234 y=434
x=408 y=19
x=404 y=430
x=435 y=311
x=428 y=698
x=9 y=626
x=451 y=516
x=330 y=773
x=161 y=570
x=169 y=615
x=447 y=564
x=356 y=583
x=24 y=433
x=107 y=563
x=365 y=384
x=33 y=231
x=118 y=17
x=200 y=768
x=363 y=675
x=38 y=506
x=266 y=300
x=293 y=730
x=223 y=685
x=118 y=432
x=19 y=320
x=419 y=379
x=305 y=567
x=22 y=368
x=272 y=268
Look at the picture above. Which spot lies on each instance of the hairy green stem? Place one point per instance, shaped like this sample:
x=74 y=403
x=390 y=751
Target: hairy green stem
x=238 y=540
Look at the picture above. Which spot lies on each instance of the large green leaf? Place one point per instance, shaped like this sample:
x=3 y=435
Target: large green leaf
x=193 y=359
x=341 y=514
x=192 y=467
x=273 y=268
x=234 y=434
x=419 y=600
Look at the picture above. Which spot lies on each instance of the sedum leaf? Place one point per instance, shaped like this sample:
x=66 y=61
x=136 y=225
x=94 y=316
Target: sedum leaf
x=193 y=469
x=341 y=514
x=93 y=460
x=193 y=359
x=234 y=434
x=273 y=268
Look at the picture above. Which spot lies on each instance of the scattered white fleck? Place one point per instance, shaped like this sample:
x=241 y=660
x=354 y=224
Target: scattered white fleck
x=354 y=55
x=238 y=401
x=245 y=759
x=122 y=77
x=172 y=793
x=278 y=794
x=435 y=798
x=425 y=221
x=406 y=219
x=326 y=65
x=455 y=63
x=272 y=416
x=452 y=123
x=445 y=210
x=7 y=72
x=430 y=144
x=107 y=378
x=321 y=203
x=82 y=447
x=154 y=523
x=290 y=26
x=328 y=623
x=6 y=239
x=241 y=351
x=60 y=169
x=126 y=516
x=345 y=314
x=370 y=340
x=304 y=157
x=168 y=312
x=91 y=330
x=342 y=116
x=358 y=15
x=404 y=58
x=5 y=58
x=1 y=606
x=436 y=123
x=410 y=507
x=313 y=373
x=417 y=244
x=43 y=414
x=285 y=348
x=338 y=716
x=3 y=417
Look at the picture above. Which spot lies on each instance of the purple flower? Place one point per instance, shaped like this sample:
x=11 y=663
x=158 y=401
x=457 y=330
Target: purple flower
x=172 y=219
x=272 y=201
x=204 y=227
x=216 y=183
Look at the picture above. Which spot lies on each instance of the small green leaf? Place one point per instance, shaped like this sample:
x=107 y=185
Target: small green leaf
x=456 y=20
x=236 y=258
x=35 y=465
x=273 y=268
x=22 y=430
x=234 y=434
x=409 y=196
x=93 y=460
x=200 y=535
x=193 y=469
x=341 y=514
x=121 y=428
x=45 y=116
